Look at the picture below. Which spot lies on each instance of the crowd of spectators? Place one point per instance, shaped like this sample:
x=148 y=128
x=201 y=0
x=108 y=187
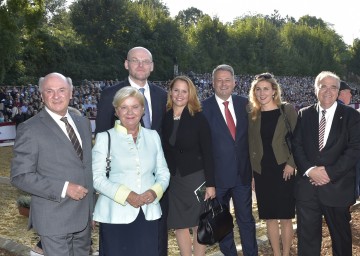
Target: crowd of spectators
x=18 y=103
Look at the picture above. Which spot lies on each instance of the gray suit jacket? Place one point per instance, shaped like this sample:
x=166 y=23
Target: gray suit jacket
x=44 y=159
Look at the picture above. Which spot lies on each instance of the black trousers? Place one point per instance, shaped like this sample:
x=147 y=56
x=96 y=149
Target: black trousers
x=309 y=228
x=163 y=230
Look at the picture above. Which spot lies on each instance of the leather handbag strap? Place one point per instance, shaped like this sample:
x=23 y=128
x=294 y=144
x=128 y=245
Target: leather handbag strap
x=108 y=157
x=209 y=205
x=287 y=123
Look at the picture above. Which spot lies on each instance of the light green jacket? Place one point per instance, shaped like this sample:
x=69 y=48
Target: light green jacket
x=281 y=151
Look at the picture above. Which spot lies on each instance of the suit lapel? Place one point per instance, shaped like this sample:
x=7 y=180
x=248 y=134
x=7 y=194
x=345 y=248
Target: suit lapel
x=154 y=105
x=335 y=126
x=53 y=126
x=219 y=116
x=314 y=132
x=79 y=127
x=238 y=114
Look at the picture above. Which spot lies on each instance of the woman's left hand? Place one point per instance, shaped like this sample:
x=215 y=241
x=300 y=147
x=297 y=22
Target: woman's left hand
x=288 y=171
x=210 y=193
x=148 y=196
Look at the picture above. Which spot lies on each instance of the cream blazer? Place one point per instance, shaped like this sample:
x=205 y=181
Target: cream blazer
x=135 y=166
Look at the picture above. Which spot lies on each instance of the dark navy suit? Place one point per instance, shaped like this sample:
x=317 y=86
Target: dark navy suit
x=105 y=120
x=233 y=172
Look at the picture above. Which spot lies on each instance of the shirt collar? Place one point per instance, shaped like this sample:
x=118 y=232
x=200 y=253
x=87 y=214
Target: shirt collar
x=56 y=116
x=330 y=110
x=121 y=129
x=220 y=101
x=133 y=84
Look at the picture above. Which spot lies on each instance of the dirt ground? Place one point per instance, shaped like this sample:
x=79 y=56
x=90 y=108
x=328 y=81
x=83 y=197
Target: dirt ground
x=14 y=226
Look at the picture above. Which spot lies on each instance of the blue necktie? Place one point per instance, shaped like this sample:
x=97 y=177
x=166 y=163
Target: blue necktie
x=146 y=116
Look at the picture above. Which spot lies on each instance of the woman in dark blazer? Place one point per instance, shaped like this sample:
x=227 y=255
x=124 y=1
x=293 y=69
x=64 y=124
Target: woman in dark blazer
x=188 y=152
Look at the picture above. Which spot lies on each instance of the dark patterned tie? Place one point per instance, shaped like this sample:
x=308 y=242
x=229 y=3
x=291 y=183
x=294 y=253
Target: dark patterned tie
x=73 y=138
x=322 y=125
x=229 y=119
x=146 y=117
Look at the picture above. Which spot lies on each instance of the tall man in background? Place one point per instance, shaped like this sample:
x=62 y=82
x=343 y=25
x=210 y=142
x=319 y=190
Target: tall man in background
x=139 y=63
x=326 y=149
x=228 y=120
x=52 y=162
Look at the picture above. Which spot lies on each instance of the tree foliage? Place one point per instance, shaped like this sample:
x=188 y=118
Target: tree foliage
x=90 y=39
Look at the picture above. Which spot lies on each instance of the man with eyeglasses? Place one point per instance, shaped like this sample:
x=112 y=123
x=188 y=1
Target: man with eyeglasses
x=326 y=148
x=139 y=63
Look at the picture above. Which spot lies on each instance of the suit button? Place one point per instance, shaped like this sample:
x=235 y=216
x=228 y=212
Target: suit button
x=181 y=151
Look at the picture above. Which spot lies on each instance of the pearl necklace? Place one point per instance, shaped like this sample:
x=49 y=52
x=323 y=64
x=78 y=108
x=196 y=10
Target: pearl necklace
x=177 y=117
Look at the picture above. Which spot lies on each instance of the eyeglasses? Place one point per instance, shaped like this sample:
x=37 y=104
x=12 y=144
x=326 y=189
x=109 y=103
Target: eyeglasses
x=138 y=62
x=332 y=88
x=264 y=76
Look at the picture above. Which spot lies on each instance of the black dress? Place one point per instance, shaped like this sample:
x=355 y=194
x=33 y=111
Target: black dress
x=274 y=195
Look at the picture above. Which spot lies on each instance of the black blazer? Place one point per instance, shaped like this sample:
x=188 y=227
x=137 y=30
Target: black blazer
x=339 y=156
x=106 y=113
x=193 y=148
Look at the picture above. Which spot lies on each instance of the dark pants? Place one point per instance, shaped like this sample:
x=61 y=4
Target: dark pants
x=309 y=228
x=242 y=200
x=137 y=238
x=357 y=181
x=163 y=231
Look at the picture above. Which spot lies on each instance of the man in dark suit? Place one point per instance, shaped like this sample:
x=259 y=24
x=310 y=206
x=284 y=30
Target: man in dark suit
x=56 y=172
x=140 y=64
x=326 y=149
x=231 y=157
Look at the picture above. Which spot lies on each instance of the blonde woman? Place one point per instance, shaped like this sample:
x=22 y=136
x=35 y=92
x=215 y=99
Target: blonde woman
x=271 y=160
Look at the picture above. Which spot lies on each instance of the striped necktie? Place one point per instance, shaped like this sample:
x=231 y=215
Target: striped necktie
x=74 y=140
x=322 y=126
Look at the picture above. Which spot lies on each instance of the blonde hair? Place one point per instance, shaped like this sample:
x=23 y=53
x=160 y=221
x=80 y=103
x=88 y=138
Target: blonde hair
x=193 y=104
x=126 y=92
x=254 y=104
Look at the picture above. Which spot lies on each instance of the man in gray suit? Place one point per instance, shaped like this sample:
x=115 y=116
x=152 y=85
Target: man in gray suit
x=56 y=173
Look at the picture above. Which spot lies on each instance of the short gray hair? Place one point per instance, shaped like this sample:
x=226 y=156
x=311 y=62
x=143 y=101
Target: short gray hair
x=323 y=75
x=223 y=67
x=125 y=93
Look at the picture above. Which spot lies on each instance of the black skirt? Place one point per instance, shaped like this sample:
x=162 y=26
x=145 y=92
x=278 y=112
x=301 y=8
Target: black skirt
x=184 y=208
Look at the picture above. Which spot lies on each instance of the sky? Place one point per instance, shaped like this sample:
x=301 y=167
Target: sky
x=343 y=15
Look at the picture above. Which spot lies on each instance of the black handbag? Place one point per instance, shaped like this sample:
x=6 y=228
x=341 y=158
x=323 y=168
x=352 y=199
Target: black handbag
x=215 y=223
x=289 y=135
